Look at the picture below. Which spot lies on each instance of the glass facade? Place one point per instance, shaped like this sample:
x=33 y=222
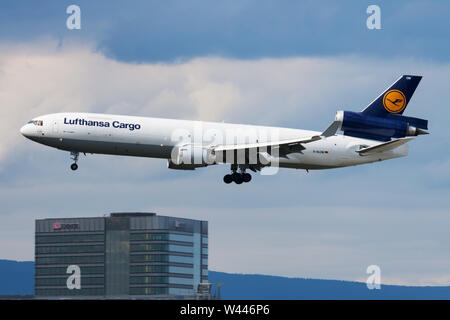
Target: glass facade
x=124 y=255
x=61 y=244
x=117 y=255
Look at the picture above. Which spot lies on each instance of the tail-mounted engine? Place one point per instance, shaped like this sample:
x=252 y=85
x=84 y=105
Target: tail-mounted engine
x=357 y=124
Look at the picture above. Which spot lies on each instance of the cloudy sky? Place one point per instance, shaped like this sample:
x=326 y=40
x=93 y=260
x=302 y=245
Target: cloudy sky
x=281 y=63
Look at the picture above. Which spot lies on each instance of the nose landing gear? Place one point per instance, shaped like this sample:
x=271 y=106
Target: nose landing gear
x=74 y=156
x=237 y=177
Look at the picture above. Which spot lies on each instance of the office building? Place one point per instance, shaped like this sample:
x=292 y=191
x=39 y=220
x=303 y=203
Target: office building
x=124 y=255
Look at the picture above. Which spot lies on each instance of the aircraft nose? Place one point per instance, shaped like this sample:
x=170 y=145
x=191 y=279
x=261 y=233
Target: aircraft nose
x=25 y=130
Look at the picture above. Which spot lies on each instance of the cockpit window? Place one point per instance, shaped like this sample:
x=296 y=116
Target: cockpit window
x=36 y=122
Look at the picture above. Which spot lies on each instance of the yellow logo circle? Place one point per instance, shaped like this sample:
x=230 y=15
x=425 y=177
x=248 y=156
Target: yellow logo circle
x=394 y=101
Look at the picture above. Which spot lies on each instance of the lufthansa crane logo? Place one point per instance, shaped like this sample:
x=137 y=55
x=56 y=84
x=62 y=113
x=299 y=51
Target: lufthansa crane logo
x=394 y=101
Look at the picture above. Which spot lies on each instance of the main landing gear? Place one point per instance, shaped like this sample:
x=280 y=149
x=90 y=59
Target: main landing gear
x=237 y=177
x=74 y=156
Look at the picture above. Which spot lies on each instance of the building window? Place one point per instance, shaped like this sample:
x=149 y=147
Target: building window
x=69 y=238
x=70 y=249
x=149 y=291
x=149 y=236
x=67 y=292
x=70 y=260
x=149 y=280
x=61 y=281
x=55 y=271
x=149 y=258
x=149 y=247
x=149 y=269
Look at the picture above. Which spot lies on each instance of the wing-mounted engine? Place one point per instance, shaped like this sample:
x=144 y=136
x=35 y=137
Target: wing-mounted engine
x=190 y=157
x=358 y=124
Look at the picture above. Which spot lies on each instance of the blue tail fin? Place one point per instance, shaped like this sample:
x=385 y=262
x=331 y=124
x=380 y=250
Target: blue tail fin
x=394 y=99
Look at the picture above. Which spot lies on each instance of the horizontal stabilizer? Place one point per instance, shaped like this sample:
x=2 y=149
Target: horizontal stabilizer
x=382 y=147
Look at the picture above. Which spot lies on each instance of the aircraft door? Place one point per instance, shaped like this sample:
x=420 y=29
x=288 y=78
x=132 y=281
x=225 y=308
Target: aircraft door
x=55 y=127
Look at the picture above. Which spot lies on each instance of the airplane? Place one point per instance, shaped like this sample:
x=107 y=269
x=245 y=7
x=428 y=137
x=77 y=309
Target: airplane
x=379 y=132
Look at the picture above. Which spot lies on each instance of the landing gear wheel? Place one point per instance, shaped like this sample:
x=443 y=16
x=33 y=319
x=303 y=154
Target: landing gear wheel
x=237 y=178
x=228 y=178
x=246 y=177
x=74 y=156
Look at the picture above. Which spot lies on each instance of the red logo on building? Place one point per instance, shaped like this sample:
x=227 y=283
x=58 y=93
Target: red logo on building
x=65 y=226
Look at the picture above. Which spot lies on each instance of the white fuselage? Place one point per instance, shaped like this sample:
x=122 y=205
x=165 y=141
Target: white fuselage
x=156 y=138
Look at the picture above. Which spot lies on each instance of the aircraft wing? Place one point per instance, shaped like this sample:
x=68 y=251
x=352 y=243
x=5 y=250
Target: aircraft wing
x=384 y=146
x=285 y=146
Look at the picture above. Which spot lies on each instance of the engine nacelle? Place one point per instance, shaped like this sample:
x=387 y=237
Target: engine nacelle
x=357 y=124
x=192 y=156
